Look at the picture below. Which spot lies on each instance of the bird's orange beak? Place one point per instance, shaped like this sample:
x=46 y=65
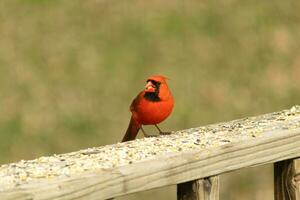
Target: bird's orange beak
x=149 y=87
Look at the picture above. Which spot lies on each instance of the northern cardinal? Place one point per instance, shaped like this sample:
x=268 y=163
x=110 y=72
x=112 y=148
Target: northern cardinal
x=151 y=106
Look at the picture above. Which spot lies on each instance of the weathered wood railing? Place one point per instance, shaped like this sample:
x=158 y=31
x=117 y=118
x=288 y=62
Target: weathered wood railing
x=191 y=158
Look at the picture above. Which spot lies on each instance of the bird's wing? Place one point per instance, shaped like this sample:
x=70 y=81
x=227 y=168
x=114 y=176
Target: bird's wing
x=136 y=101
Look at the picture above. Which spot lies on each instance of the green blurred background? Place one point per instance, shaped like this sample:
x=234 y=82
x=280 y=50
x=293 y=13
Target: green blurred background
x=69 y=70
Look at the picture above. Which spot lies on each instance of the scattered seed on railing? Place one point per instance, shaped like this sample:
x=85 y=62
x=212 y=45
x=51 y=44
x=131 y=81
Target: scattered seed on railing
x=110 y=156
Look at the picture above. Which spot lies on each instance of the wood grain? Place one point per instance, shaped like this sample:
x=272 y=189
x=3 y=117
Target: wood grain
x=296 y=178
x=286 y=180
x=202 y=189
x=163 y=171
x=136 y=166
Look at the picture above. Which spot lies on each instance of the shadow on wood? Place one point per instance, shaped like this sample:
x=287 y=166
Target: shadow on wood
x=202 y=189
x=287 y=180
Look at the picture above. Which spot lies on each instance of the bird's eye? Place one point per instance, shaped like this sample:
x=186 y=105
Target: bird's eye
x=154 y=82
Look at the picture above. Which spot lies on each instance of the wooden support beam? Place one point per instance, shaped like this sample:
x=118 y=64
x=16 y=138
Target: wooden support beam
x=287 y=180
x=202 y=189
x=296 y=179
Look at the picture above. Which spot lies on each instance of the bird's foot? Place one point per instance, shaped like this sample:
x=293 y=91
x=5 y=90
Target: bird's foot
x=147 y=135
x=165 y=133
x=162 y=132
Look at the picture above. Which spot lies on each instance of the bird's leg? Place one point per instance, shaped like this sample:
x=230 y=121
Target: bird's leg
x=161 y=132
x=145 y=134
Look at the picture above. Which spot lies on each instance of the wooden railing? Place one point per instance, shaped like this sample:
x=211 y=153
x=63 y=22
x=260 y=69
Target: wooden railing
x=193 y=159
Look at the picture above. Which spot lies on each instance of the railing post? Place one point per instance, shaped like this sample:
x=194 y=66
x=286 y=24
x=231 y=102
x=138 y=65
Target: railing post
x=202 y=189
x=287 y=180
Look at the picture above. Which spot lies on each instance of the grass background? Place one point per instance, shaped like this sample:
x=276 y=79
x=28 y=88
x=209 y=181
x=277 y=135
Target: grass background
x=69 y=70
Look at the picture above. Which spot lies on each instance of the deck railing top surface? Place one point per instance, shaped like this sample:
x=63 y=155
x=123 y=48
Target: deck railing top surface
x=123 y=168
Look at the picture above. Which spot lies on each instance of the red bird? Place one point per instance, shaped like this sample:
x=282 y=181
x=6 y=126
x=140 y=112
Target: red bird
x=152 y=106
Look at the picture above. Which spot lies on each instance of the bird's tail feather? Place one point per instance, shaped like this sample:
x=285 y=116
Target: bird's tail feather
x=132 y=130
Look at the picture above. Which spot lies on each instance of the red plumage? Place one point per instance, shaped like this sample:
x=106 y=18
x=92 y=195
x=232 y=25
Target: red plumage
x=152 y=106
